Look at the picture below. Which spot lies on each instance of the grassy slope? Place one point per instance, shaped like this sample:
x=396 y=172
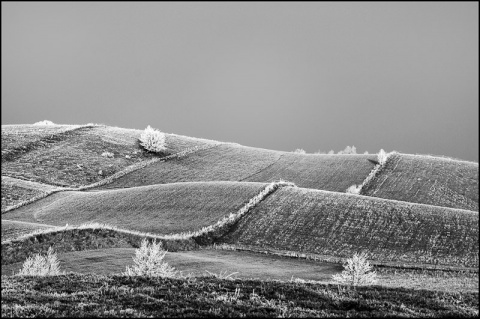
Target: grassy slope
x=230 y=162
x=77 y=160
x=15 y=190
x=227 y=162
x=327 y=172
x=159 y=209
x=248 y=265
x=101 y=296
x=337 y=224
x=12 y=229
x=428 y=180
x=18 y=139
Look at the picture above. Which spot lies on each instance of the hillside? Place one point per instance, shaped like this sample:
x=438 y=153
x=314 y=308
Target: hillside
x=230 y=162
x=427 y=180
x=93 y=193
x=158 y=209
x=12 y=229
x=336 y=224
x=15 y=191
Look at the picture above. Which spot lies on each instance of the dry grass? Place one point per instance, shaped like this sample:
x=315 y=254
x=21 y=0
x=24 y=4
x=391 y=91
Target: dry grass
x=326 y=172
x=225 y=162
x=159 y=209
x=328 y=223
x=15 y=191
x=427 y=180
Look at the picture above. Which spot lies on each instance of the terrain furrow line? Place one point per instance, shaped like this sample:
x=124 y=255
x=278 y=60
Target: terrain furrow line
x=261 y=170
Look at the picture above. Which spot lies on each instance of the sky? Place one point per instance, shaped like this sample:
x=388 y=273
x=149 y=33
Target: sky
x=278 y=75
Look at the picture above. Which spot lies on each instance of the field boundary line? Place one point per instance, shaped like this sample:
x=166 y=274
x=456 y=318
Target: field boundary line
x=382 y=162
x=15 y=153
x=208 y=234
x=113 y=177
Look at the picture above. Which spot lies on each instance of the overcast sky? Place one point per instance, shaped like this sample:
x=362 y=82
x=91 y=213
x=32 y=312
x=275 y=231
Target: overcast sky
x=312 y=75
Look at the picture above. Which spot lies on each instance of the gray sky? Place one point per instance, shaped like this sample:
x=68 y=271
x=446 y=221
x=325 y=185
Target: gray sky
x=311 y=75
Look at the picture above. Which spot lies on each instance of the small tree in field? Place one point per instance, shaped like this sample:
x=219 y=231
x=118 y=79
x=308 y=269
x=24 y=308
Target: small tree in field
x=40 y=265
x=149 y=261
x=153 y=140
x=358 y=271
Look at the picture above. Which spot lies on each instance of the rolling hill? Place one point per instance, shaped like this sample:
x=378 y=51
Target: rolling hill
x=336 y=224
x=158 y=209
x=427 y=180
x=418 y=214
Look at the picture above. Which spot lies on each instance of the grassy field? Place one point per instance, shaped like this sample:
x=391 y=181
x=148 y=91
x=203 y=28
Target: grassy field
x=227 y=162
x=12 y=229
x=337 y=224
x=20 y=139
x=103 y=296
x=326 y=172
x=428 y=180
x=248 y=265
x=15 y=191
x=417 y=221
x=158 y=209
x=230 y=162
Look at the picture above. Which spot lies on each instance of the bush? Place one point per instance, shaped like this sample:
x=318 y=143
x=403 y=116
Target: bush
x=149 y=261
x=153 y=140
x=348 y=150
x=382 y=157
x=300 y=151
x=41 y=266
x=354 y=189
x=358 y=271
x=45 y=122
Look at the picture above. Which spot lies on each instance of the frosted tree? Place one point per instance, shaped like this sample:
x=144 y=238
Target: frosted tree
x=358 y=271
x=153 y=140
x=39 y=265
x=149 y=261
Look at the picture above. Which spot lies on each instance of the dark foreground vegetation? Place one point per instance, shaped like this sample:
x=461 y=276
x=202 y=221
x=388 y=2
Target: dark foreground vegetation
x=123 y=296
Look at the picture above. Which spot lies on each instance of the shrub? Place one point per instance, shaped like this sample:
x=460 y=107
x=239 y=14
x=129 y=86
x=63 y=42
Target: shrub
x=41 y=266
x=44 y=122
x=358 y=271
x=149 y=261
x=300 y=151
x=331 y=152
x=349 y=150
x=153 y=140
x=354 y=189
x=382 y=157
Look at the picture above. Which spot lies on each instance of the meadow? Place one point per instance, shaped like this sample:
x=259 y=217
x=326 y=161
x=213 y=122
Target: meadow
x=427 y=180
x=254 y=232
